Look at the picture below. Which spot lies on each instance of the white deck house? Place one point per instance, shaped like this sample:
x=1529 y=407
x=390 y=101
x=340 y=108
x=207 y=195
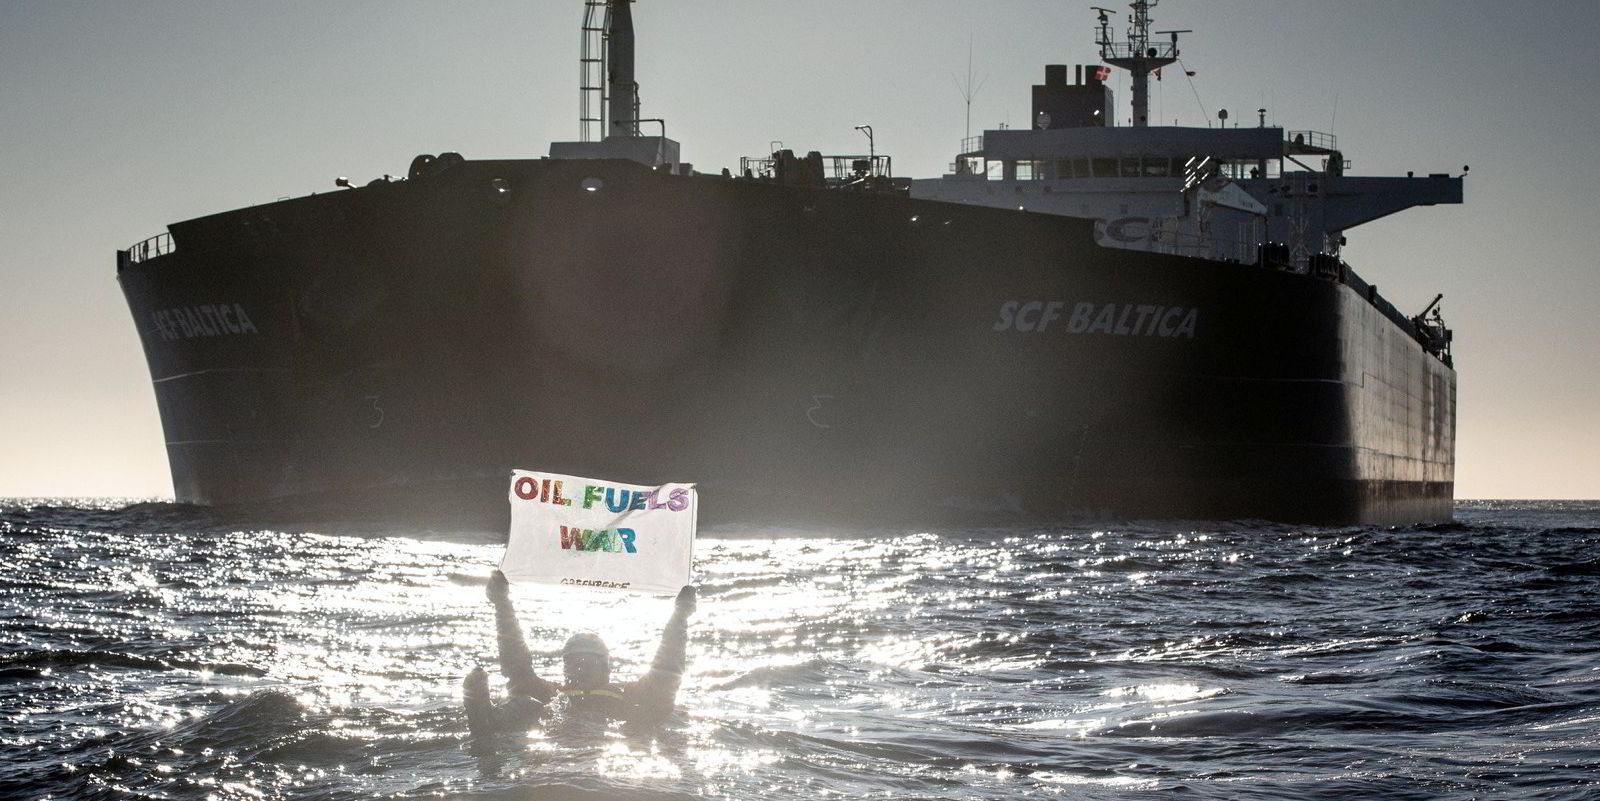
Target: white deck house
x=1156 y=189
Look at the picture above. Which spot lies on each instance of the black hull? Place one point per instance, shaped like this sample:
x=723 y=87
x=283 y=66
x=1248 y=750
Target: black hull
x=802 y=354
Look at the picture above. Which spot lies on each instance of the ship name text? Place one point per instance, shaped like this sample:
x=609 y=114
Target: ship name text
x=210 y=320
x=1117 y=319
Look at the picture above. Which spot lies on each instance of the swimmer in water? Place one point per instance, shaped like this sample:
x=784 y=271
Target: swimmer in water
x=588 y=691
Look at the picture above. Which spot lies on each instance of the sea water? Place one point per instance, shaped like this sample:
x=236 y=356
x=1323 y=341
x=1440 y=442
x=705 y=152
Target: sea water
x=150 y=651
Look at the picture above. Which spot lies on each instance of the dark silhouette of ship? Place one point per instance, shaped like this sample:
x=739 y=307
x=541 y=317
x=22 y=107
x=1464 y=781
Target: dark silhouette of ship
x=1079 y=319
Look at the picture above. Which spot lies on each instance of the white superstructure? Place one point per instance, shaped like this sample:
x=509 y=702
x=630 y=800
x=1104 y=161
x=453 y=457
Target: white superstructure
x=1244 y=194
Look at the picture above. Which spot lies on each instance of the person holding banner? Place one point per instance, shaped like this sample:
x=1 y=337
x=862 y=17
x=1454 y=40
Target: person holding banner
x=588 y=691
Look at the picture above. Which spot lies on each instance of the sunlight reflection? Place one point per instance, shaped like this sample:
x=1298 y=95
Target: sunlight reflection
x=620 y=761
x=1078 y=728
x=898 y=653
x=716 y=761
x=1118 y=782
x=1166 y=692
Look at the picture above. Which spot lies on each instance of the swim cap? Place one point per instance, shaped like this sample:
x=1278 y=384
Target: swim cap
x=586 y=643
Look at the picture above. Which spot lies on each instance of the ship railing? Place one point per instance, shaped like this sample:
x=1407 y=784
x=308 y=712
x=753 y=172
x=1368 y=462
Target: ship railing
x=971 y=144
x=158 y=245
x=756 y=166
x=1315 y=140
x=1161 y=50
x=835 y=168
x=848 y=167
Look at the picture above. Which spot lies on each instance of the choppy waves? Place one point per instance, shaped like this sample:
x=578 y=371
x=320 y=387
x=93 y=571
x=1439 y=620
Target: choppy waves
x=153 y=651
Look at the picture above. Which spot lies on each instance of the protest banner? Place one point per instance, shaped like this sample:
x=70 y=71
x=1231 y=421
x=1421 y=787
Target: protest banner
x=583 y=532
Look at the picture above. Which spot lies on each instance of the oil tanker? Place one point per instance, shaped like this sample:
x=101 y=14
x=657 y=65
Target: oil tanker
x=1080 y=318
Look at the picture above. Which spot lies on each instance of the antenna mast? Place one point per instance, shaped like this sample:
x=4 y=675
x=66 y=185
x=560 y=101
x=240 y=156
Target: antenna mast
x=967 y=90
x=1137 y=54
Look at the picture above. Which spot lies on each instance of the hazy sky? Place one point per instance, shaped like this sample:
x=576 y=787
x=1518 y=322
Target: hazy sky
x=117 y=118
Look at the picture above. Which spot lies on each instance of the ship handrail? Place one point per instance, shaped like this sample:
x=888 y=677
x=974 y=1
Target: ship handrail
x=1137 y=49
x=1312 y=139
x=836 y=169
x=159 y=245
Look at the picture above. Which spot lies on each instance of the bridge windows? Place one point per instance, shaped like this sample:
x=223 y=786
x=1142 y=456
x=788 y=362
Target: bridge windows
x=1067 y=169
x=1244 y=170
x=1077 y=168
x=1030 y=170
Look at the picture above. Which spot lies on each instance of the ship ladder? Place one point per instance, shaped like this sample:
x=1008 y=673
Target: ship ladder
x=592 y=71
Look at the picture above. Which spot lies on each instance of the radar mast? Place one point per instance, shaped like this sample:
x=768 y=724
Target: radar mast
x=1137 y=54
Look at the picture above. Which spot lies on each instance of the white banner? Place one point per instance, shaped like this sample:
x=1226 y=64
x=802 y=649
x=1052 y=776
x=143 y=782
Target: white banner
x=588 y=533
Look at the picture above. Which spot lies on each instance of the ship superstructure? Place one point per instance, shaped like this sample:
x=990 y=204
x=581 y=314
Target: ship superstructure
x=1254 y=195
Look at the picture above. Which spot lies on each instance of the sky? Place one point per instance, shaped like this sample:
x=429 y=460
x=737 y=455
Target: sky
x=118 y=118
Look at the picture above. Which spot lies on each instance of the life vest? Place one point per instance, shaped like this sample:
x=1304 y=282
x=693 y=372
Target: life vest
x=604 y=692
x=599 y=703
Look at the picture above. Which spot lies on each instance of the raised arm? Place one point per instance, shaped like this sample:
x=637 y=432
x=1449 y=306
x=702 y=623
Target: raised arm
x=657 y=690
x=515 y=659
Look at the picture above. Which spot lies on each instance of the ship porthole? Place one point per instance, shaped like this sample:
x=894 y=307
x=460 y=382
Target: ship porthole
x=592 y=184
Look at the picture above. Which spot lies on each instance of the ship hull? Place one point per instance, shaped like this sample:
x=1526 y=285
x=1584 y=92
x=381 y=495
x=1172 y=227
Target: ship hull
x=803 y=354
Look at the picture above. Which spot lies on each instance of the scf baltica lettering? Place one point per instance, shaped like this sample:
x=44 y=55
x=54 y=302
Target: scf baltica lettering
x=1117 y=319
